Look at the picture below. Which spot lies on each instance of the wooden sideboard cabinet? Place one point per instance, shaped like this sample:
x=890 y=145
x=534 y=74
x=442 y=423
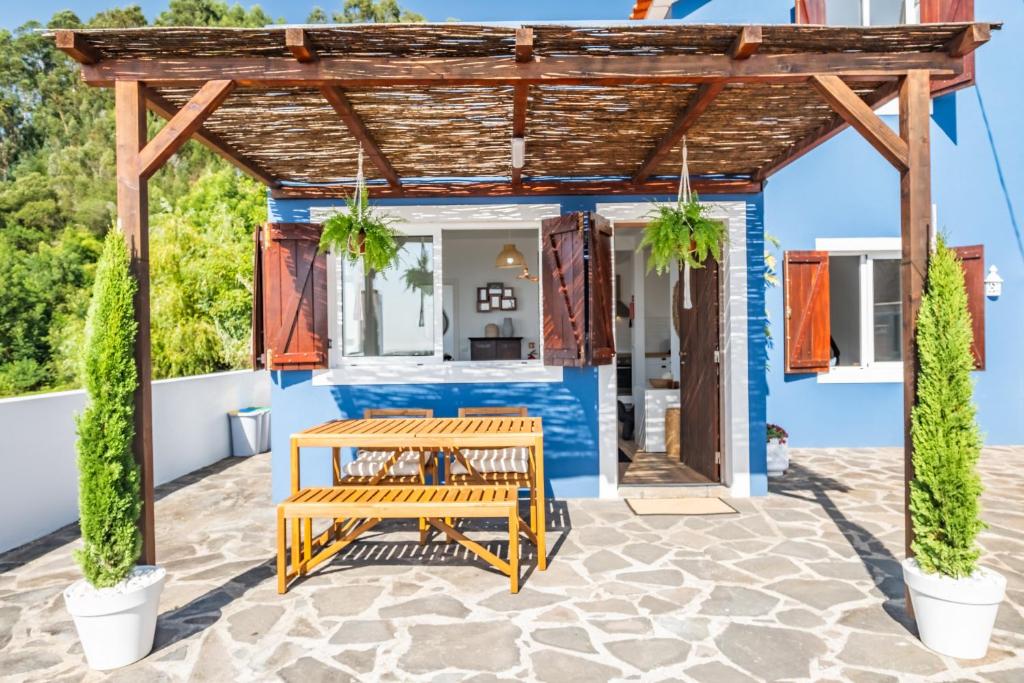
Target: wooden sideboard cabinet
x=495 y=348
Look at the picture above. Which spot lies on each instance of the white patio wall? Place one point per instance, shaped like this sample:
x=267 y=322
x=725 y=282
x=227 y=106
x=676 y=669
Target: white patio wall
x=38 y=477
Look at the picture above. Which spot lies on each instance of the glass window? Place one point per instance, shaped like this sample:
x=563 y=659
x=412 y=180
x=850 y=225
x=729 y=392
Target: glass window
x=888 y=12
x=844 y=12
x=391 y=312
x=844 y=309
x=887 y=309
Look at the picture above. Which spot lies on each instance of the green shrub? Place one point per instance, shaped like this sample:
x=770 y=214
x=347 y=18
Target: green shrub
x=944 y=493
x=108 y=497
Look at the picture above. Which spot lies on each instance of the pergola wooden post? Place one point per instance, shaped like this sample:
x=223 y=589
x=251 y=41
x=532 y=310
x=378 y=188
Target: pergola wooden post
x=137 y=160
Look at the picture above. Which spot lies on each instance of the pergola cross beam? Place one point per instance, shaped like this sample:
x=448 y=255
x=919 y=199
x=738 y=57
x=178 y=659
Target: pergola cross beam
x=855 y=111
x=697 y=105
x=347 y=113
x=297 y=40
x=182 y=125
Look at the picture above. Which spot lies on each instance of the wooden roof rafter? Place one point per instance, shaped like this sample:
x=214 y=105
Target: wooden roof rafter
x=347 y=113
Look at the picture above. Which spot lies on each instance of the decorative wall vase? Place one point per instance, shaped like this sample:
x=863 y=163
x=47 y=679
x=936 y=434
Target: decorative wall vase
x=491 y=330
x=507 y=329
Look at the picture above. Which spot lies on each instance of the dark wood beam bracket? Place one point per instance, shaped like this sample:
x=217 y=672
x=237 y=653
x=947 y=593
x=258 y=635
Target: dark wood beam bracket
x=182 y=125
x=969 y=40
x=524 y=44
x=747 y=43
x=343 y=107
x=697 y=105
x=297 y=40
x=162 y=107
x=858 y=114
x=74 y=45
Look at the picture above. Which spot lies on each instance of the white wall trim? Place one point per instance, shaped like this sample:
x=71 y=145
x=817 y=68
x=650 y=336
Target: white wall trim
x=388 y=371
x=734 y=366
x=608 y=432
x=467 y=216
x=858 y=245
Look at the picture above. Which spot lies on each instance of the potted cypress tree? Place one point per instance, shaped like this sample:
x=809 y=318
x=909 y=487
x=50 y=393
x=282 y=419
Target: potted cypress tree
x=115 y=606
x=955 y=600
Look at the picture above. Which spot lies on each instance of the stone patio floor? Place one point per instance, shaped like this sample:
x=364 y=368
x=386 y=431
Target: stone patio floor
x=803 y=584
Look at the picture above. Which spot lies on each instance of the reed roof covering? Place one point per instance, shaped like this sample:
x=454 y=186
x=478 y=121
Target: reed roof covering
x=576 y=125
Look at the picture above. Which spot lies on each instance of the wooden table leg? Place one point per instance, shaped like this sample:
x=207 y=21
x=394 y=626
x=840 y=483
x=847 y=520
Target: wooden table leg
x=295 y=466
x=282 y=568
x=336 y=464
x=538 y=483
x=513 y=546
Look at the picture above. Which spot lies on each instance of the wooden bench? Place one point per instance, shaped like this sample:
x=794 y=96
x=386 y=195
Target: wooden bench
x=354 y=510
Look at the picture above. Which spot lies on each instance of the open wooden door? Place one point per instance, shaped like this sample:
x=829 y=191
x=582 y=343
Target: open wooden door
x=700 y=405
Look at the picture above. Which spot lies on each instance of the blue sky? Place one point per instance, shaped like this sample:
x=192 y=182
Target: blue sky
x=15 y=12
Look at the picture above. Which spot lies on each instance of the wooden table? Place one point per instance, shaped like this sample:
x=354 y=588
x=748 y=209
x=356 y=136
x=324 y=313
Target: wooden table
x=448 y=434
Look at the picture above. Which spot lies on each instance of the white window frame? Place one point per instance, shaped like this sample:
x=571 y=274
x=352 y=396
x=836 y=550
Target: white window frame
x=434 y=220
x=911 y=8
x=868 y=249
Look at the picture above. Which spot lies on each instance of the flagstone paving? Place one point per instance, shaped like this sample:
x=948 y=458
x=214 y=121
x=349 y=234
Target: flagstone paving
x=801 y=585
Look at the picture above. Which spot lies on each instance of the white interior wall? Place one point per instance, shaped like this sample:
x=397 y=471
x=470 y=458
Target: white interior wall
x=468 y=263
x=39 y=488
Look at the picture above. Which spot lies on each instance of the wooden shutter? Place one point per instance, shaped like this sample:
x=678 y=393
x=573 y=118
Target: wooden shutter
x=258 y=349
x=600 y=296
x=577 y=290
x=294 y=297
x=564 y=283
x=972 y=259
x=810 y=11
x=807 y=327
x=947 y=11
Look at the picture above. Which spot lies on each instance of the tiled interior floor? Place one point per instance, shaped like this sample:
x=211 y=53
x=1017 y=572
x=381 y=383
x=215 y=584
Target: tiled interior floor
x=801 y=585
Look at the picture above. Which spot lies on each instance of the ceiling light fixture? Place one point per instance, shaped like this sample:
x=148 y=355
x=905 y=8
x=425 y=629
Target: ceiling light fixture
x=518 y=152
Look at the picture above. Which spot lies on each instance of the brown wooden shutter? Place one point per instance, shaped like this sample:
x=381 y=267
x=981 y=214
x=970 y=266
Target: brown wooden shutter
x=294 y=297
x=577 y=290
x=948 y=11
x=972 y=259
x=563 y=285
x=600 y=301
x=258 y=349
x=807 y=327
x=810 y=11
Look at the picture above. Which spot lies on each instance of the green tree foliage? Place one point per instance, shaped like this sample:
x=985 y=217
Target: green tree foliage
x=946 y=487
x=371 y=12
x=109 y=502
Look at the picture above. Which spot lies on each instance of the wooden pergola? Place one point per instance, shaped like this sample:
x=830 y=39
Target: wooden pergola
x=603 y=109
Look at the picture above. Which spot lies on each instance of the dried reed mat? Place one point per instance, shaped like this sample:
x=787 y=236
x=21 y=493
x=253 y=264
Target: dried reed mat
x=680 y=506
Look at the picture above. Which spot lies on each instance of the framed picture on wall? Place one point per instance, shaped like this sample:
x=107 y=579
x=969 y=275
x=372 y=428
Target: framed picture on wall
x=507 y=293
x=483 y=306
x=495 y=301
x=495 y=288
x=481 y=294
x=508 y=304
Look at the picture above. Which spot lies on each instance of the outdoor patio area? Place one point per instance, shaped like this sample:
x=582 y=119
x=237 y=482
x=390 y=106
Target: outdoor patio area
x=804 y=584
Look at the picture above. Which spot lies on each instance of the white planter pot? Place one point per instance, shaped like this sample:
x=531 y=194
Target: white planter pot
x=116 y=625
x=955 y=616
x=778 y=457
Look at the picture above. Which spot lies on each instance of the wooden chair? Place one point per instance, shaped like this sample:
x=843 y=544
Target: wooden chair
x=507 y=466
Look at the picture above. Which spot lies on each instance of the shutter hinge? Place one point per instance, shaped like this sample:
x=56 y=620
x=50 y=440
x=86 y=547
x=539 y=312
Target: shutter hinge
x=330 y=343
x=718 y=457
x=718 y=356
x=269 y=356
x=789 y=312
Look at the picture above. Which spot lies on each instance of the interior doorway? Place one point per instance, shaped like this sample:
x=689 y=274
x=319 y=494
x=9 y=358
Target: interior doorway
x=668 y=387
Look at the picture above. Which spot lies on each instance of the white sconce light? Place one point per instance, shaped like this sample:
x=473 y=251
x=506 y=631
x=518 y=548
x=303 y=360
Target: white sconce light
x=518 y=152
x=993 y=283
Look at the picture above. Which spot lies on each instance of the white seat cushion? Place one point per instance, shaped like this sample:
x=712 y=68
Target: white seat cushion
x=494 y=460
x=369 y=463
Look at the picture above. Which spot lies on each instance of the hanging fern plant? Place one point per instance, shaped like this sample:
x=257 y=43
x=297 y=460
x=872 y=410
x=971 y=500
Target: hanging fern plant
x=682 y=233
x=361 y=232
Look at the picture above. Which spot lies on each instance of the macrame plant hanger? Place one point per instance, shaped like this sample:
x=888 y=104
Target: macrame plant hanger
x=685 y=194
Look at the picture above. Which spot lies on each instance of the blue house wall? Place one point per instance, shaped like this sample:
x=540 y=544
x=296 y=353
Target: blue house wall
x=568 y=408
x=846 y=189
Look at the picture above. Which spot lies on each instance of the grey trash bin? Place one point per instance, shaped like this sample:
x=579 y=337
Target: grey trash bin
x=247 y=431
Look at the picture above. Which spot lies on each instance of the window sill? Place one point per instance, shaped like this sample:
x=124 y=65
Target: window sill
x=880 y=373
x=405 y=371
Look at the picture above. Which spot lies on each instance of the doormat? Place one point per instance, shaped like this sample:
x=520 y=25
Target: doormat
x=680 y=506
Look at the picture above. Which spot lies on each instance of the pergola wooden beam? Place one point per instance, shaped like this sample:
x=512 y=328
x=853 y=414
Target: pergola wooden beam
x=969 y=40
x=164 y=108
x=705 y=186
x=521 y=94
x=347 y=113
x=297 y=40
x=74 y=45
x=524 y=44
x=858 y=114
x=824 y=133
x=747 y=43
x=275 y=72
x=182 y=125
x=698 y=103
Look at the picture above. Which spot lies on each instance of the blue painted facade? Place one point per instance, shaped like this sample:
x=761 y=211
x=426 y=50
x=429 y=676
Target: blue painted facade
x=846 y=189
x=569 y=408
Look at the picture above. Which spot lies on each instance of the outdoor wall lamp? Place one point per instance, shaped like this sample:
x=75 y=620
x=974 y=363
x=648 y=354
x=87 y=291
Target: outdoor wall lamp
x=993 y=283
x=518 y=152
